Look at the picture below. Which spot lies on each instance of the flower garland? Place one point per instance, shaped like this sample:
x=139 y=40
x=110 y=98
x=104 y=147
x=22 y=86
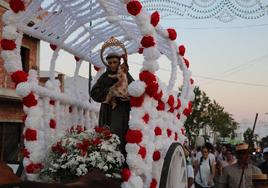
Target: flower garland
x=157 y=114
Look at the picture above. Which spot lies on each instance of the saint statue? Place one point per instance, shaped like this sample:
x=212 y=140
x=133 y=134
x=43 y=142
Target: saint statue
x=111 y=91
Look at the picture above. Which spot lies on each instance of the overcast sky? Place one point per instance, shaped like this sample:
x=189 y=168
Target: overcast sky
x=235 y=53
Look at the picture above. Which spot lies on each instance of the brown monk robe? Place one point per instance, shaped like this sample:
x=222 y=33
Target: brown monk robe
x=94 y=179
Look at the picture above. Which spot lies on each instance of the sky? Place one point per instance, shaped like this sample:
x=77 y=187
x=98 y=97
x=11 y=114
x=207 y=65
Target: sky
x=233 y=52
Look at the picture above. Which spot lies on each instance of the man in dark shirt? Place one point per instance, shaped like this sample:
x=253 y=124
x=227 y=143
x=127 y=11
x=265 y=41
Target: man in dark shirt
x=264 y=165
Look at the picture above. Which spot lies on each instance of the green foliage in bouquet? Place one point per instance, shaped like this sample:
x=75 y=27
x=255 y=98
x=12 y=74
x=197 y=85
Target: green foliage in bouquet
x=79 y=152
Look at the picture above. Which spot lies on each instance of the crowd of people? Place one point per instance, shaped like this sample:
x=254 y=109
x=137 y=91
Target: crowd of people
x=227 y=167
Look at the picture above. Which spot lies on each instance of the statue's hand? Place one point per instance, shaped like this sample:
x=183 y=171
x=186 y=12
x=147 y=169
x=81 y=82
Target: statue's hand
x=7 y=176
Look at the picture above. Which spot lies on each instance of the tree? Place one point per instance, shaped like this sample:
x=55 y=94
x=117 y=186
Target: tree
x=209 y=113
x=264 y=142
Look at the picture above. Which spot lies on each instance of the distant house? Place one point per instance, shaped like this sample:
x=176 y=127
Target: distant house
x=11 y=112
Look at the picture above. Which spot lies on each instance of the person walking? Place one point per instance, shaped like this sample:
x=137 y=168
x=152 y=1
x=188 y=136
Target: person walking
x=204 y=170
x=264 y=166
x=240 y=174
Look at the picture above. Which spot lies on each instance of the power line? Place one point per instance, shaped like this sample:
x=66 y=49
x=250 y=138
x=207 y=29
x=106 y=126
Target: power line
x=216 y=79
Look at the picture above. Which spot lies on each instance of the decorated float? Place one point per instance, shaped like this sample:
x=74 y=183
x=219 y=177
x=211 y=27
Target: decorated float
x=155 y=157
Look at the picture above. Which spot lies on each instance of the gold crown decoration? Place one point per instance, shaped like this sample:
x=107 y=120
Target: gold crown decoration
x=109 y=43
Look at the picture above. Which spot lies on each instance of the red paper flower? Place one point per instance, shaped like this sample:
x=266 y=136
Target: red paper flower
x=155 y=18
x=158 y=96
x=182 y=50
x=142 y=152
x=8 y=44
x=172 y=34
x=178 y=116
x=182 y=131
x=160 y=106
x=96 y=142
x=179 y=103
x=191 y=81
x=29 y=100
x=134 y=136
x=134 y=7
x=19 y=76
x=187 y=111
x=53 y=46
x=83 y=146
x=169 y=132
x=79 y=129
x=158 y=131
x=52 y=102
x=146 y=118
x=30 y=135
x=147 y=41
x=52 y=124
x=136 y=101
x=25 y=153
x=151 y=89
x=96 y=68
x=125 y=174
x=24 y=118
x=58 y=148
x=172 y=109
x=33 y=168
x=153 y=183
x=147 y=77
x=171 y=101
x=76 y=58
x=186 y=62
x=176 y=137
x=141 y=50
x=16 y=5
x=156 y=155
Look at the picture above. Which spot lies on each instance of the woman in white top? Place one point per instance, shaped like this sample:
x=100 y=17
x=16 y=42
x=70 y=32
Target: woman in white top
x=205 y=170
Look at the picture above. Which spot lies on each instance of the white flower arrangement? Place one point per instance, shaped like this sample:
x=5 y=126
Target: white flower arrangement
x=79 y=152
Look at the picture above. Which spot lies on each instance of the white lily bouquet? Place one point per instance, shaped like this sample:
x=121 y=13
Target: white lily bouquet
x=79 y=152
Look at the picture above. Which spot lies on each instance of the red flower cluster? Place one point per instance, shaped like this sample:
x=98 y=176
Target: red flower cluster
x=24 y=118
x=147 y=41
x=169 y=132
x=158 y=96
x=141 y=50
x=176 y=137
x=155 y=18
x=96 y=142
x=8 y=44
x=29 y=100
x=76 y=58
x=53 y=46
x=156 y=155
x=125 y=174
x=172 y=34
x=187 y=111
x=83 y=146
x=153 y=183
x=151 y=82
x=25 y=153
x=134 y=136
x=30 y=135
x=52 y=124
x=191 y=81
x=134 y=7
x=52 y=102
x=142 y=152
x=19 y=76
x=146 y=118
x=16 y=5
x=104 y=131
x=171 y=101
x=136 y=101
x=158 y=131
x=179 y=104
x=178 y=116
x=96 y=68
x=182 y=50
x=182 y=131
x=34 y=168
x=58 y=148
x=160 y=106
x=186 y=62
